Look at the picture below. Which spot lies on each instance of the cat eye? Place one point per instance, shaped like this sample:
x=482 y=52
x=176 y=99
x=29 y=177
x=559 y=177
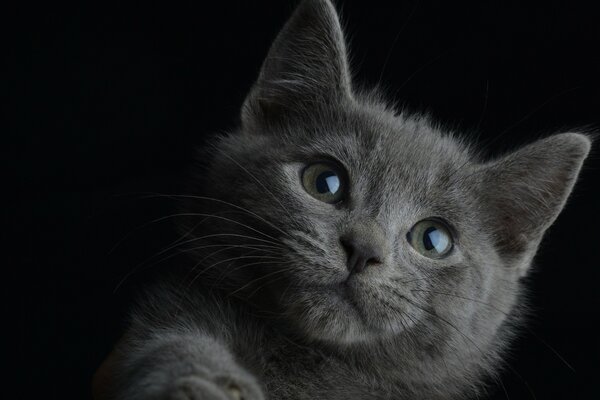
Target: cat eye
x=431 y=238
x=324 y=181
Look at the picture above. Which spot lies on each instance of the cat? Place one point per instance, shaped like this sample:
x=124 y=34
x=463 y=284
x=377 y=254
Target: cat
x=343 y=250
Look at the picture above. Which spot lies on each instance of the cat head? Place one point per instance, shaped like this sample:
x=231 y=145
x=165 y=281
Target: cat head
x=359 y=223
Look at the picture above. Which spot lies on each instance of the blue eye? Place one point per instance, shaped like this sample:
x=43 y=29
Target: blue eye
x=324 y=181
x=431 y=238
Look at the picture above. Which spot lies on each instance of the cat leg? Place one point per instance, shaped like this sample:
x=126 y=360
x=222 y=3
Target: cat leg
x=175 y=366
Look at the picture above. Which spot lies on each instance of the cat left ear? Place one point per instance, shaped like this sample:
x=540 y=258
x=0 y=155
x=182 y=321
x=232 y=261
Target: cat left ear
x=525 y=191
x=306 y=66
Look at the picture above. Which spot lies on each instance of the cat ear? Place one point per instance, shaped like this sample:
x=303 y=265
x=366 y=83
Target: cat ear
x=306 y=66
x=525 y=191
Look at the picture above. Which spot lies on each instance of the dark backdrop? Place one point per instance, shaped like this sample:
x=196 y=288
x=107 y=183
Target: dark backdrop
x=108 y=101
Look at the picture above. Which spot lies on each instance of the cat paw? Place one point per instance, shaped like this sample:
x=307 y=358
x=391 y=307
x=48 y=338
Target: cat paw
x=219 y=388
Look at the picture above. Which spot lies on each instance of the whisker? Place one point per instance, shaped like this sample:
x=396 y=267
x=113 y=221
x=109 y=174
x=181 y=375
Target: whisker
x=274 y=244
x=258 y=279
x=283 y=208
x=202 y=272
x=433 y=314
x=217 y=217
x=556 y=353
x=267 y=283
x=249 y=212
x=145 y=264
x=137 y=228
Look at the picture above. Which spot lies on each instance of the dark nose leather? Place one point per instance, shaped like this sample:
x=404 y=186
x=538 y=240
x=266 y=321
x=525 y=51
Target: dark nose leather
x=361 y=253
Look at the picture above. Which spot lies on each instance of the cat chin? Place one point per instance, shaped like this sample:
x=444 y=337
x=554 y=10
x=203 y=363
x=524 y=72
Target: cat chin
x=334 y=316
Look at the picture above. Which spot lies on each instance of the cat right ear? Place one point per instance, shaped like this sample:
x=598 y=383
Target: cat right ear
x=306 y=67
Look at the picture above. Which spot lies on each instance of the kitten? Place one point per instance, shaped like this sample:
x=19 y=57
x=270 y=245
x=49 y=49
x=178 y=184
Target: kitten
x=342 y=251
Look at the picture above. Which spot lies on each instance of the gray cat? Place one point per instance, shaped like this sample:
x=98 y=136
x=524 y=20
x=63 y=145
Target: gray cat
x=343 y=251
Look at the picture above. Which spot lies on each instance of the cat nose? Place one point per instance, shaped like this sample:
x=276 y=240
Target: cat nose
x=361 y=253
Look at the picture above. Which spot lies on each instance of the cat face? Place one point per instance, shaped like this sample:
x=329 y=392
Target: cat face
x=360 y=224
x=362 y=185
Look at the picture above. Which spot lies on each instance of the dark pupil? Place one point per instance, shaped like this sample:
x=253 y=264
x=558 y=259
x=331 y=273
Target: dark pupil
x=427 y=239
x=327 y=182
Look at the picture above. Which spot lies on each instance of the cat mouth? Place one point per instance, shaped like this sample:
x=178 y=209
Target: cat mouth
x=346 y=311
x=346 y=293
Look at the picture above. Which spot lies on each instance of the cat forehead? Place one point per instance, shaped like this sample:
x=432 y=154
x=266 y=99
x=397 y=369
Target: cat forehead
x=375 y=141
x=391 y=160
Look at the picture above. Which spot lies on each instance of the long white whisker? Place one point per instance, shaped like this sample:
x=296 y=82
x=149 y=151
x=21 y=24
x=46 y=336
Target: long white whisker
x=223 y=202
x=283 y=208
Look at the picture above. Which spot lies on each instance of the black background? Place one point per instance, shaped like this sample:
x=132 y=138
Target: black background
x=109 y=101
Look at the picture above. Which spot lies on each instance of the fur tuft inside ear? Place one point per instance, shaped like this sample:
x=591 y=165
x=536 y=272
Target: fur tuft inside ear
x=524 y=191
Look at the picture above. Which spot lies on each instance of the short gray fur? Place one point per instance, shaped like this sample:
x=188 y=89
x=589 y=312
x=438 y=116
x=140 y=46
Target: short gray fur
x=263 y=313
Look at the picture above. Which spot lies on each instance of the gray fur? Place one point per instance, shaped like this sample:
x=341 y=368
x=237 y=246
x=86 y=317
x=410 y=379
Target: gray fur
x=263 y=315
